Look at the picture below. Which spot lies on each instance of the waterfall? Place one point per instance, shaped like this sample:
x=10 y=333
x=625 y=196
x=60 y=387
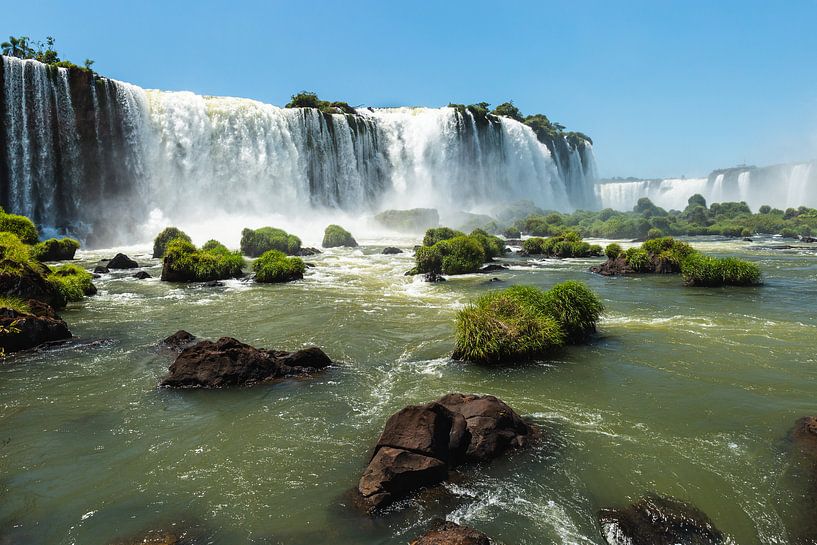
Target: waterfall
x=97 y=158
x=780 y=186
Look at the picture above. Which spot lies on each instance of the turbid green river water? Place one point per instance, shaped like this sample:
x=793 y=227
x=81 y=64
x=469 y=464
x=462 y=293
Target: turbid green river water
x=685 y=392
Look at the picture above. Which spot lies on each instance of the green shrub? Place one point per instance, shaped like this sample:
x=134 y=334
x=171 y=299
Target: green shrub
x=703 y=270
x=437 y=234
x=428 y=259
x=16 y=304
x=213 y=245
x=655 y=233
x=506 y=325
x=73 y=282
x=55 y=249
x=13 y=250
x=335 y=236
x=461 y=255
x=493 y=246
x=21 y=226
x=566 y=244
x=613 y=250
x=637 y=259
x=524 y=322
x=275 y=266
x=162 y=239
x=575 y=307
x=184 y=263
x=746 y=232
x=511 y=232
x=788 y=233
x=256 y=242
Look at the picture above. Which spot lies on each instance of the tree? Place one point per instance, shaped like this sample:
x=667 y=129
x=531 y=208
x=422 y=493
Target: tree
x=765 y=209
x=507 y=109
x=17 y=47
x=697 y=199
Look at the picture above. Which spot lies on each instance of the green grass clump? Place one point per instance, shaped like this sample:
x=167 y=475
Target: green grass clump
x=707 y=271
x=72 y=282
x=564 y=245
x=612 y=251
x=637 y=259
x=438 y=234
x=16 y=304
x=55 y=249
x=524 y=322
x=335 y=236
x=255 y=242
x=575 y=307
x=13 y=251
x=163 y=238
x=275 y=266
x=21 y=226
x=183 y=262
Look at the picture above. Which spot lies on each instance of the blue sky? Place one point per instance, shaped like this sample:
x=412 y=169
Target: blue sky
x=664 y=88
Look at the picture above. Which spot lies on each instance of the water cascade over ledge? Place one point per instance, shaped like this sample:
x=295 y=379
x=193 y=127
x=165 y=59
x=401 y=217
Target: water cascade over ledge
x=97 y=158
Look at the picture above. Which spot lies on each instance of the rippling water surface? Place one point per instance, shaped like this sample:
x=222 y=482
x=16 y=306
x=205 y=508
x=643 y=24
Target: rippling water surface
x=687 y=392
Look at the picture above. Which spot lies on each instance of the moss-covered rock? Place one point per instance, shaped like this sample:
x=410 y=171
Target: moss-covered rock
x=53 y=249
x=335 y=236
x=20 y=226
x=73 y=282
x=26 y=324
x=274 y=266
x=23 y=277
x=163 y=238
x=255 y=242
x=183 y=262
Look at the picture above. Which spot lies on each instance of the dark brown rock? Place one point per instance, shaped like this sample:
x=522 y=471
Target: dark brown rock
x=121 y=261
x=142 y=275
x=101 y=269
x=27 y=330
x=178 y=341
x=452 y=533
x=308 y=251
x=391 y=250
x=434 y=438
x=228 y=362
x=657 y=520
x=24 y=282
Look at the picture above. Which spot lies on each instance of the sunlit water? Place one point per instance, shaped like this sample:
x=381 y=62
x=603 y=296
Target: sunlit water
x=686 y=392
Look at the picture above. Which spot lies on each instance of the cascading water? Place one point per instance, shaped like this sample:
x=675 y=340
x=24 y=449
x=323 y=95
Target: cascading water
x=96 y=157
x=780 y=186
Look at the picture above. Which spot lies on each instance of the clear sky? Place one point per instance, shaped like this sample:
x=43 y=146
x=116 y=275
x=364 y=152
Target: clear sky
x=665 y=88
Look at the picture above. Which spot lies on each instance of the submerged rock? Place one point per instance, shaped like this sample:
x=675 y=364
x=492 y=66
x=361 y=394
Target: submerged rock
x=391 y=250
x=213 y=284
x=492 y=268
x=121 y=261
x=101 y=269
x=308 y=251
x=178 y=341
x=432 y=277
x=657 y=520
x=142 y=275
x=420 y=443
x=452 y=533
x=228 y=362
x=29 y=329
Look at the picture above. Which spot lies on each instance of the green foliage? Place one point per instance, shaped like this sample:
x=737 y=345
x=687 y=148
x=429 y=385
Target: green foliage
x=167 y=234
x=183 y=262
x=437 y=234
x=637 y=259
x=256 y=242
x=275 y=266
x=55 y=249
x=13 y=251
x=335 y=236
x=459 y=255
x=24 y=48
x=21 y=226
x=507 y=109
x=308 y=99
x=788 y=232
x=493 y=246
x=523 y=322
x=696 y=200
x=565 y=245
x=655 y=233
x=16 y=304
x=71 y=281
x=511 y=232
x=612 y=251
x=702 y=270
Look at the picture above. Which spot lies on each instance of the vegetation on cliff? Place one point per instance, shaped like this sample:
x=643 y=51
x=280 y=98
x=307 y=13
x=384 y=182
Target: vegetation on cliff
x=523 y=322
x=162 y=239
x=308 y=99
x=24 y=47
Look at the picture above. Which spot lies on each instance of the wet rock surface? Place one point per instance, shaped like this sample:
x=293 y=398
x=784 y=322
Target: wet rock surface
x=451 y=533
x=121 y=261
x=28 y=330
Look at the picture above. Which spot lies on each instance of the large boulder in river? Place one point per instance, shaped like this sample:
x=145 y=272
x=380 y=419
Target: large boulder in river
x=228 y=362
x=22 y=281
x=452 y=533
x=39 y=324
x=804 y=435
x=657 y=520
x=178 y=341
x=420 y=443
x=121 y=261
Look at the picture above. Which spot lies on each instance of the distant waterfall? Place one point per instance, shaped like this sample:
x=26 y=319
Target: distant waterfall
x=780 y=186
x=94 y=157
